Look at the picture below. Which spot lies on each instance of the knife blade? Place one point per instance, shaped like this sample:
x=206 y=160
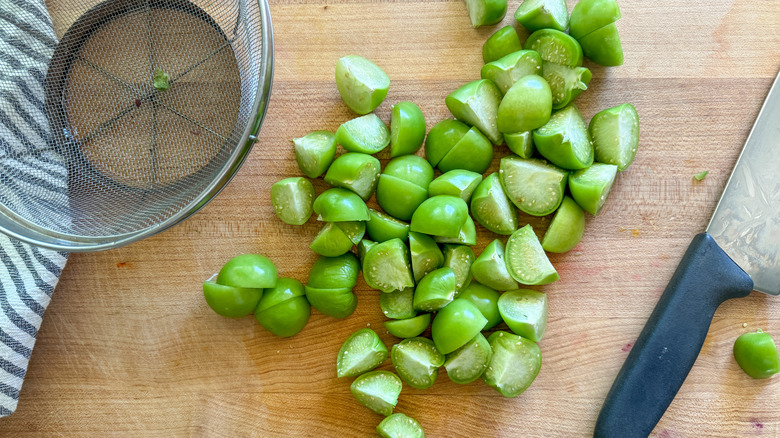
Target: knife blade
x=746 y=222
x=736 y=254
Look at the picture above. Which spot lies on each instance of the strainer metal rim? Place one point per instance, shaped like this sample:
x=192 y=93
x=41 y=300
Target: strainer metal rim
x=18 y=228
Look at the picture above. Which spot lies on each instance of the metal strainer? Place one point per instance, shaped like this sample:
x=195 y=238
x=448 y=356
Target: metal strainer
x=123 y=159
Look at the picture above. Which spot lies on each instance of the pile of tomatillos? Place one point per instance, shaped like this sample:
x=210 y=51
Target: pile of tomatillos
x=417 y=249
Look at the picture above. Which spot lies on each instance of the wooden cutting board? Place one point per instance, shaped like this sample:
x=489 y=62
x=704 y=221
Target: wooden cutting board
x=129 y=347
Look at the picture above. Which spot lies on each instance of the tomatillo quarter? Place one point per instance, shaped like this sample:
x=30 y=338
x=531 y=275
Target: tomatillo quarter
x=441 y=215
x=526 y=106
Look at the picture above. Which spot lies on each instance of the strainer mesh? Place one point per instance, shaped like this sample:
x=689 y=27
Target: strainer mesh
x=119 y=155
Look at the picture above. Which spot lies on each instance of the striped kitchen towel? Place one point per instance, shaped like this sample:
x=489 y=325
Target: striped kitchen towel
x=28 y=274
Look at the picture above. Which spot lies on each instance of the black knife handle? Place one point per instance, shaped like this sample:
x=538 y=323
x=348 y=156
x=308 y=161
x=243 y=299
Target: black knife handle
x=671 y=340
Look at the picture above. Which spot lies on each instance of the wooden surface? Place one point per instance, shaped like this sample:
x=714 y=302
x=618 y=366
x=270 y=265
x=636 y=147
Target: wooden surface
x=129 y=347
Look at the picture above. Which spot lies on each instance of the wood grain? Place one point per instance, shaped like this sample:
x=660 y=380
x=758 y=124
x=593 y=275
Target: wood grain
x=128 y=346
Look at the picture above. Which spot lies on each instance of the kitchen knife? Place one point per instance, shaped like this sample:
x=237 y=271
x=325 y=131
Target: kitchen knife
x=735 y=255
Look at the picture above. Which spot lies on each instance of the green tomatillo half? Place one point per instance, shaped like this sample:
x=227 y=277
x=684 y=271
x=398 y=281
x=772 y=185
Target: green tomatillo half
x=514 y=365
x=756 y=353
x=564 y=140
x=314 y=152
x=491 y=207
x=248 y=271
x=526 y=106
x=340 y=205
x=543 y=14
x=284 y=309
x=231 y=301
x=455 y=324
x=534 y=186
x=407 y=129
x=361 y=83
x=476 y=103
x=356 y=172
x=503 y=42
x=367 y=134
x=441 y=215
x=292 y=200
x=504 y=72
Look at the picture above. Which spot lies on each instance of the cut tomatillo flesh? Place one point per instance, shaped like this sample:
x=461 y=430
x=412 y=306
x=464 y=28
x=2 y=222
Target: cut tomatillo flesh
x=526 y=106
x=410 y=327
x=382 y=227
x=555 y=46
x=248 y=271
x=363 y=248
x=353 y=230
x=340 y=205
x=361 y=83
x=590 y=187
x=476 y=103
x=231 y=301
x=386 y=266
x=336 y=302
x=491 y=207
x=615 y=134
x=417 y=361
x=407 y=129
x=543 y=14
x=426 y=255
x=440 y=215
x=590 y=15
x=459 y=258
x=378 y=391
x=467 y=363
x=399 y=198
x=435 y=290
x=533 y=185
x=490 y=268
x=602 y=46
x=466 y=236
x=398 y=304
x=472 y=152
x=400 y=426
x=335 y=272
x=411 y=168
x=486 y=300
x=442 y=137
x=455 y=324
x=503 y=42
x=486 y=12
x=314 y=152
x=515 y=363
x=331 y=241
x=367 y=134
x=525 y=259
x=457 y=182
x=355 y=171
x=564 y=140
x=566 y=228
x=525 y=312
x=362 y=351
x=521 y=143
x=292 y=199
x=505 y=71
x=566 y=83
x=336 y=238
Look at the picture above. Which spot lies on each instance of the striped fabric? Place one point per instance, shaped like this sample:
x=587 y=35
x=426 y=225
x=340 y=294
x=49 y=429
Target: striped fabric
x=27 y=274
